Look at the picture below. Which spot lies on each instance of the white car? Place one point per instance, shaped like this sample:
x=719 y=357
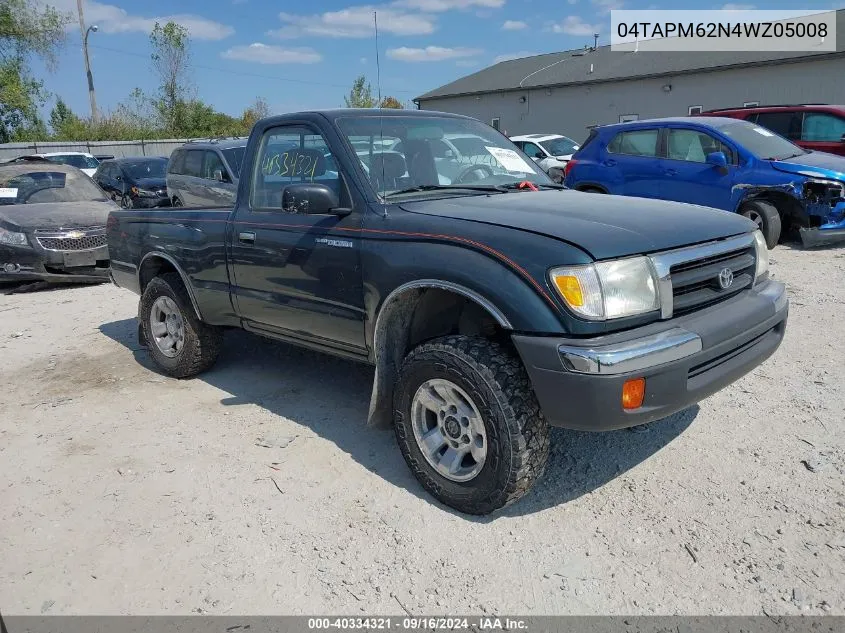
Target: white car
x=550 y=151
x=81 y=160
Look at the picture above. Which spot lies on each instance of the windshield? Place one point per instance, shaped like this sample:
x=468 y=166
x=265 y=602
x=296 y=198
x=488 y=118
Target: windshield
x=138 y=170
x=399 y=152
x=32 y=186
x=80 y=161
x=235 y=157
x=761 y=142
x=559 y=146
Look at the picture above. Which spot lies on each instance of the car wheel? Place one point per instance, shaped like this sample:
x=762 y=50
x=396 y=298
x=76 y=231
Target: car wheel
x=125 y=201
x=468 y=424
x=180 y=344
x=556 y=174
x=765 y=215
x=592 y=190
x=176 y=202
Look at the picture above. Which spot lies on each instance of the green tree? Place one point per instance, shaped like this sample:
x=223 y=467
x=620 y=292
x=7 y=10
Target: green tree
x=171 y=61
x=361 y=95
x=257 y=111
x=391 y=102
x=28 y=29
x=62 y=120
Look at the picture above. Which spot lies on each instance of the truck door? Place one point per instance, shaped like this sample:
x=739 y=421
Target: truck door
x=297 y=276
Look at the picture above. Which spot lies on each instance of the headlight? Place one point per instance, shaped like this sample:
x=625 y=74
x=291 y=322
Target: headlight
x=762 y=257
x=608 y=290
x=12 y=238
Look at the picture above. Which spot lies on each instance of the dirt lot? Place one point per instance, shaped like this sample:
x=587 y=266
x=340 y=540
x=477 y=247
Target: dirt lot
x=258 y=489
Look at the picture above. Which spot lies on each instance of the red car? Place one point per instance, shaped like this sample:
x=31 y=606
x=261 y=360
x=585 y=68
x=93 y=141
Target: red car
x=812 y=126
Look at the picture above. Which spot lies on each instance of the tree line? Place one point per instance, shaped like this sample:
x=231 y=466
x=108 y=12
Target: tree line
x=31 y=29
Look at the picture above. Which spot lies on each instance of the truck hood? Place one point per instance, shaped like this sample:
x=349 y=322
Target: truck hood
x=56 y=215
x=814 y=165
x=604 y=226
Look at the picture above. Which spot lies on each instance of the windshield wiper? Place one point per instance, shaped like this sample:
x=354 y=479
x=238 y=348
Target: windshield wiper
x=480 y=188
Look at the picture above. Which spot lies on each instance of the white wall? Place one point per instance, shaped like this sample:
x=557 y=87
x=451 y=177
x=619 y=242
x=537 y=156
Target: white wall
x=570 y=110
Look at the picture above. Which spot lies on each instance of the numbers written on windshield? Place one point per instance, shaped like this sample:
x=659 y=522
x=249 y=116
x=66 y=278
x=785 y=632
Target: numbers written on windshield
x=291 y=163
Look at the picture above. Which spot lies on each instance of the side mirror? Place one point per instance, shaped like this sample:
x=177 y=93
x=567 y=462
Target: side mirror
x=842 y=139
x=218 y=175
x=717 y=159
x=310 y=199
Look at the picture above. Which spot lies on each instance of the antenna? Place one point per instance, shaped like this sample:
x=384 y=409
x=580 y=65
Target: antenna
x=378 y=65
x=381 y=116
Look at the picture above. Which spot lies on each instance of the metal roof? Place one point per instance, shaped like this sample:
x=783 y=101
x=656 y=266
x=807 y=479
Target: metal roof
x=583 y=66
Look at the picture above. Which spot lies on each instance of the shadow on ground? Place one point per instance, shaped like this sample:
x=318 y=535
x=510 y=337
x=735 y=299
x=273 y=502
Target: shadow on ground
x=21 y=287
x=331 y=397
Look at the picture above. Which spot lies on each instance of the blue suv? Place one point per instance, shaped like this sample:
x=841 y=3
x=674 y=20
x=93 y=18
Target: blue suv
x=718 y=162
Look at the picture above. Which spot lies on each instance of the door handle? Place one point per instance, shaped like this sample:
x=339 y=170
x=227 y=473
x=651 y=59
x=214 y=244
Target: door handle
x=246 y=238
x=671 y=172
x=610 y=162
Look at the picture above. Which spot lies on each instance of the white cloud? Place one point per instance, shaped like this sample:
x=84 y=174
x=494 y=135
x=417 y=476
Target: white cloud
x=514 y=25
x=573 y=25
x=112 y=19
x=354 y=22
x=606 y=6
x=509 y=56
x=430 y=53
x=437 y=6
x=269 y=54
x=738 y=7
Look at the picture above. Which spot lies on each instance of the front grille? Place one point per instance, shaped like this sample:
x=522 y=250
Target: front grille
x=72 y=240
x=695 y=284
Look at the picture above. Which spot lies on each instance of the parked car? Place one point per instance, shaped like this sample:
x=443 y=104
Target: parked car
x=550 y=151
x=718 y=162
x=81 y=160
x=134 y=182
x=205 y=173
x=816 y=126
x=492 y=306
x=52 y=223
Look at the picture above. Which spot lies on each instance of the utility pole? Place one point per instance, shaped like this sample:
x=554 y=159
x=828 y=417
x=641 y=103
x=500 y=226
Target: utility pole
x=85 y=32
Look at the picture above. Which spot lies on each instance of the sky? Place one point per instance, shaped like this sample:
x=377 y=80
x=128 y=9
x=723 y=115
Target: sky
x=305 y=55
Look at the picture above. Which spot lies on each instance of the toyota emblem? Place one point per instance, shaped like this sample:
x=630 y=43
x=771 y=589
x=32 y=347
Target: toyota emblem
x=726 y=278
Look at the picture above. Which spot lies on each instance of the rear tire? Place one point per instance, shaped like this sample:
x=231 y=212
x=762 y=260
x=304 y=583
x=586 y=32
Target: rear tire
x=497 y=412
x=185 y=346
x=592 y=190
x=765 y=215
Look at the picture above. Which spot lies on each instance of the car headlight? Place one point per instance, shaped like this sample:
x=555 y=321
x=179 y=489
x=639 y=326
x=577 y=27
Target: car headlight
x=762 y=271
x=12 y=238
x=608 y=290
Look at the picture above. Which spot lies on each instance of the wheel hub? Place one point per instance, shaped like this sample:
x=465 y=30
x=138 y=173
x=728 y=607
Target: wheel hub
x=167 y=326
x=449 y=430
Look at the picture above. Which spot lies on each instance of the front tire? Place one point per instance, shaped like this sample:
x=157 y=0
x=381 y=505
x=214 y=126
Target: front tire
x=180 y=344
x=765 y=215
x=468 y=423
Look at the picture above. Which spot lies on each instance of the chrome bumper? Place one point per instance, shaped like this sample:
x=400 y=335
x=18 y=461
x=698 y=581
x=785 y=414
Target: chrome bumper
x=649 y=351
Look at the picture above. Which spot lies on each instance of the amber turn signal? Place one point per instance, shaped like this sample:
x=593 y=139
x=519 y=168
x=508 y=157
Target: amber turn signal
x=633 y=393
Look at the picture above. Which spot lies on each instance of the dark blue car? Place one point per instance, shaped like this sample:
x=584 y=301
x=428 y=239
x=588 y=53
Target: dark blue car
x=724 y=163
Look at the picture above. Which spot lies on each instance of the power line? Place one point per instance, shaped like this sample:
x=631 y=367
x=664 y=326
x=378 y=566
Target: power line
x=241 y=73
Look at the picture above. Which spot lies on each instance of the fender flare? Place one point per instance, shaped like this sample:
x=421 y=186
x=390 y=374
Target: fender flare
x=387 y=358
x=182 y=274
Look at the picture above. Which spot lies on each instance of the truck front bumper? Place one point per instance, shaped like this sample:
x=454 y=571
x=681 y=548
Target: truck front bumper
x=578 y=382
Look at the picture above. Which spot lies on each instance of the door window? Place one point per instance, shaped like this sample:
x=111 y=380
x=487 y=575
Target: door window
x=177 y=162
x=289 y=155
x=635 y=143
x=533 y=151
x=213 y=169
x=694 y=146
x=787 y=124
x=193 y=163
x=820 y=126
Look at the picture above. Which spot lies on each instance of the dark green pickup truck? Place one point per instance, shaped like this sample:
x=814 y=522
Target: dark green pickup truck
x=491 y=302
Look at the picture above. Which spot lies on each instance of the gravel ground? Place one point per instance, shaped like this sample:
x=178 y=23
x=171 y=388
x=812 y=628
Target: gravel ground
x=257 y=488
